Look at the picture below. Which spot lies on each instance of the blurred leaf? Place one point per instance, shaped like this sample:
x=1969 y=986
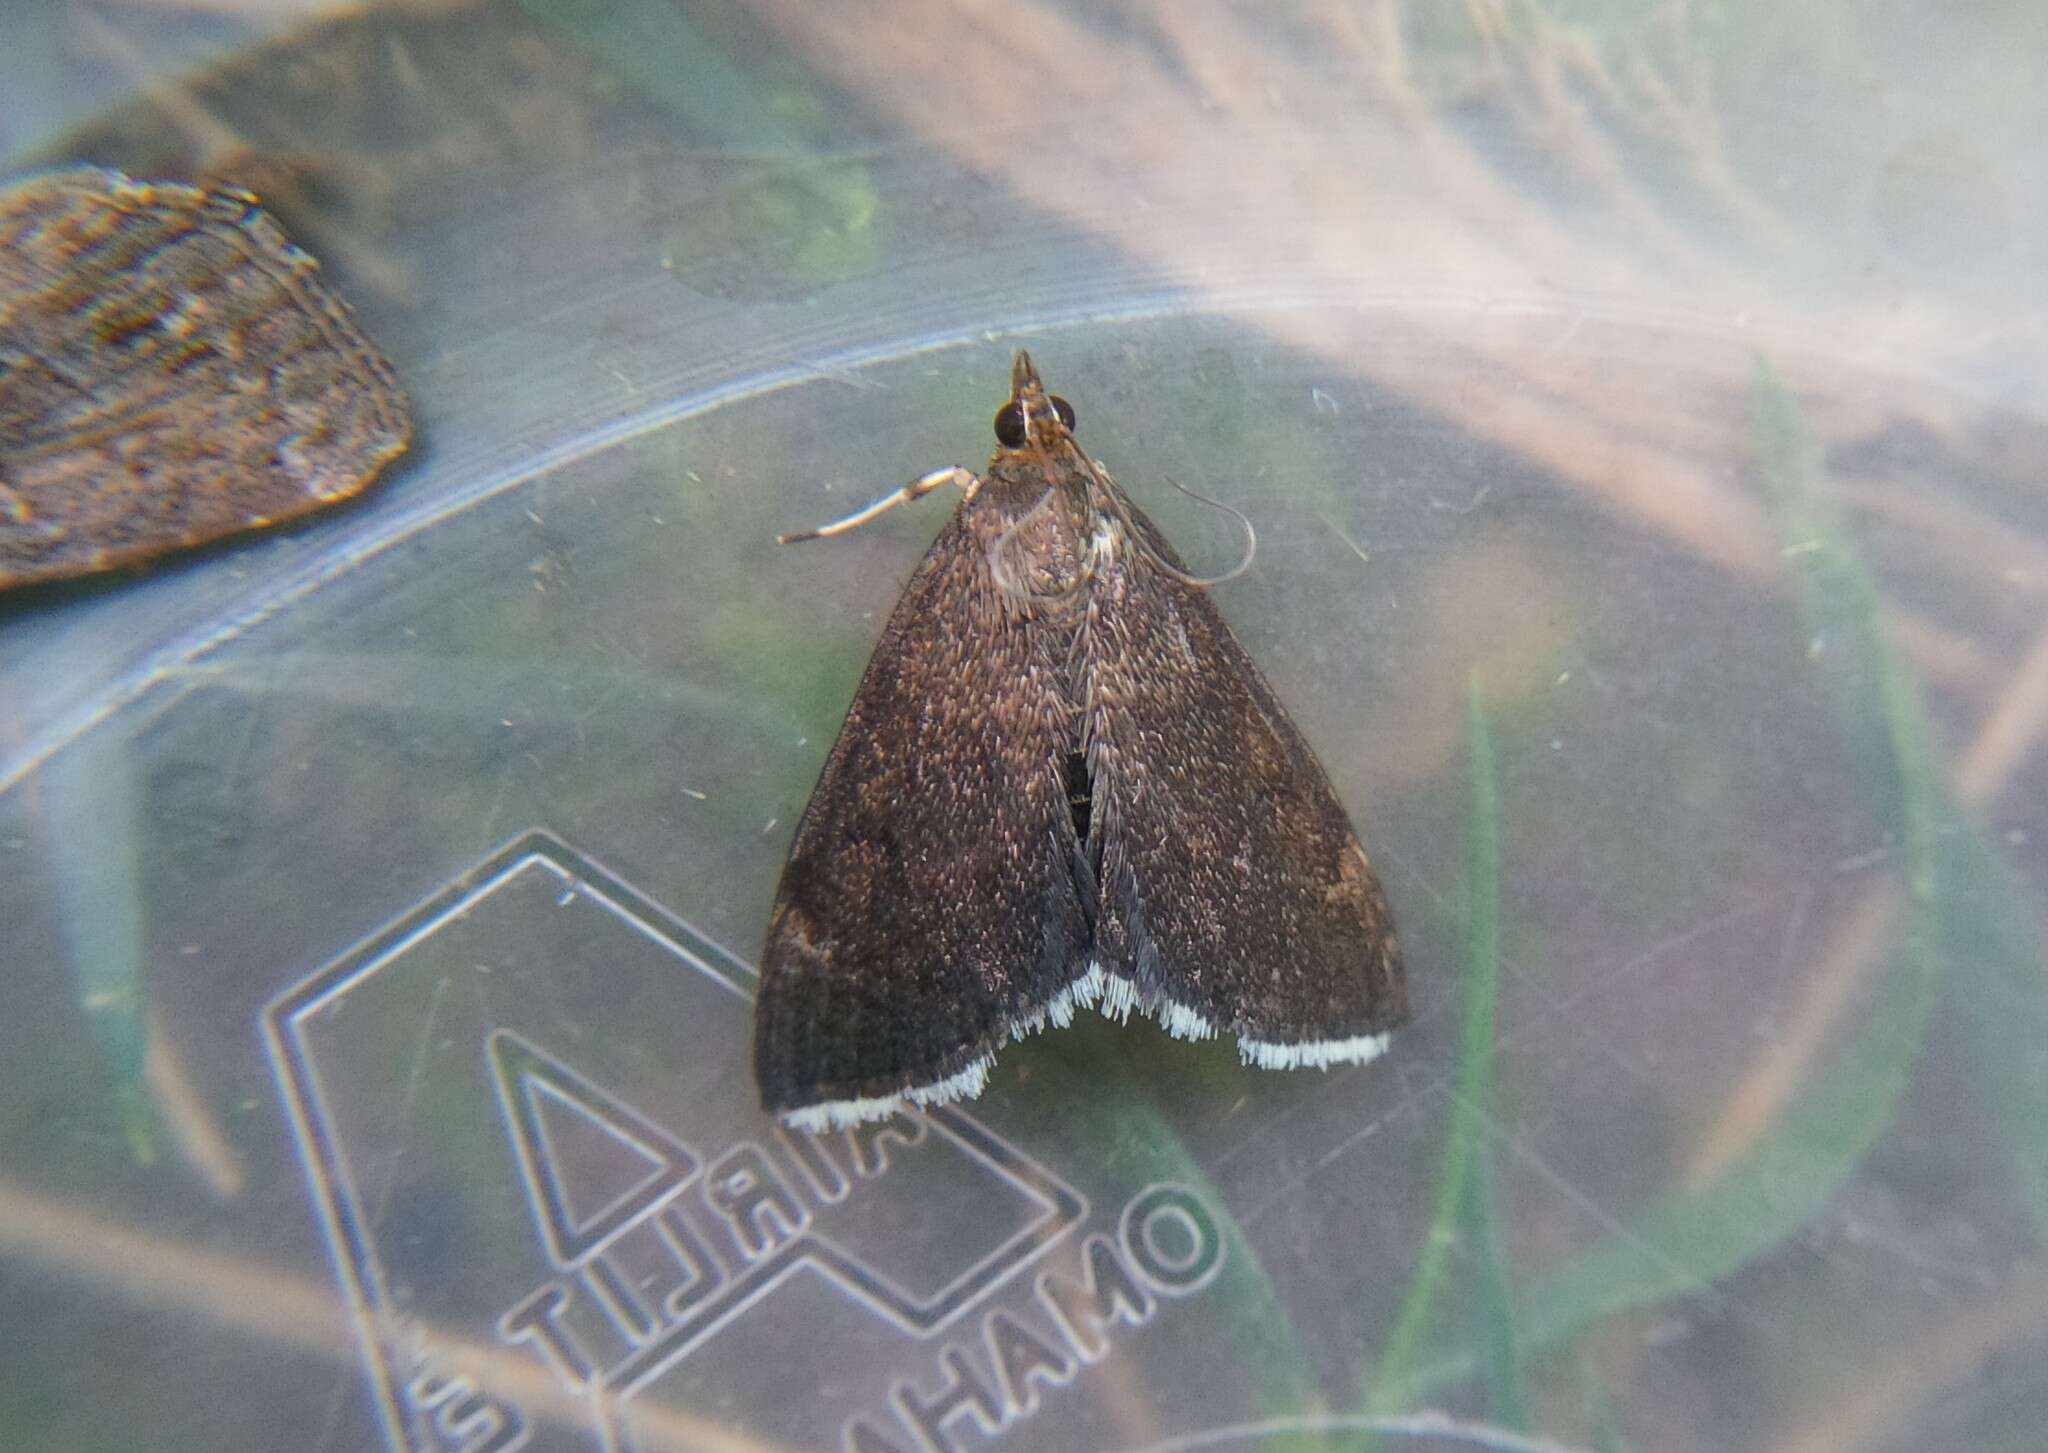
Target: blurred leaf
x=1991 y=936
x=791 y=204
x=1131 y=1135
x=1464 y=1201
x=815 y=220
x=655 y=48
x=1493 y=1303
x=1970 y=909
x=91 y=802
x=1690 y=1239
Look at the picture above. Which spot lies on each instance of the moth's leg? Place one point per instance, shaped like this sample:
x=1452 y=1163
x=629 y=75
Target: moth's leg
x=923 y=485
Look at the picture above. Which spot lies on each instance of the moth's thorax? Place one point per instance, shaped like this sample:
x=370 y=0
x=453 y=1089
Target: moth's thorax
x=1045 y=527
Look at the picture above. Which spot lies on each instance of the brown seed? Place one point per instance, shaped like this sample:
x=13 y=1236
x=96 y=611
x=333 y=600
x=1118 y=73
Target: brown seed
x=171 y=371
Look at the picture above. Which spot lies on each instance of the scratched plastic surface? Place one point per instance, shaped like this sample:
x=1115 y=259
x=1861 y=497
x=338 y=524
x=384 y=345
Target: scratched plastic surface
x=1640 y=418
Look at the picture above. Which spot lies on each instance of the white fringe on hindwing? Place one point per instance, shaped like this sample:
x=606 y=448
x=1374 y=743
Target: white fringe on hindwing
x=1116 y=997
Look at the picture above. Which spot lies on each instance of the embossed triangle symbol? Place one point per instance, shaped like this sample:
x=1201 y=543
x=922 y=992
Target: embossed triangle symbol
x=593 y=1164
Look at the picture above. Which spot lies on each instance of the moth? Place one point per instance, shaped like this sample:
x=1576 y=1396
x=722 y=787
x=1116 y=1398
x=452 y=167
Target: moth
x=1062 y=783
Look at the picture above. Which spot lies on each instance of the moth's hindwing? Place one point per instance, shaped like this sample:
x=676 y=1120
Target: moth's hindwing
x=930 y=901
x=1235 y=897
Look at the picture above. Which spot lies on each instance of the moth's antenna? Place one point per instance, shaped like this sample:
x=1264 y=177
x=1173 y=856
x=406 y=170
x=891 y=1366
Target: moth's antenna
x=1197 y=582
x=1251 y=541
x=916 y=489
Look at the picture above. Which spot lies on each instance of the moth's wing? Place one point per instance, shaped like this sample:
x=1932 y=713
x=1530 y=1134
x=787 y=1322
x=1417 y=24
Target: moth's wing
x=1235 y=897
x=932 y=904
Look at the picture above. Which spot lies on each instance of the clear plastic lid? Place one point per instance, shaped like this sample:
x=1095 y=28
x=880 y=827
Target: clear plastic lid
x=1639 y=416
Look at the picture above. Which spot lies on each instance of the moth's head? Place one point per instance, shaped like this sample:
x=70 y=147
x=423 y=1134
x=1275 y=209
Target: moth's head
x=1032 y=418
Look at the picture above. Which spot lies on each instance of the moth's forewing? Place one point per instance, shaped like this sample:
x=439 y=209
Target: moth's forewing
x=931 y=899
x=1232 y=884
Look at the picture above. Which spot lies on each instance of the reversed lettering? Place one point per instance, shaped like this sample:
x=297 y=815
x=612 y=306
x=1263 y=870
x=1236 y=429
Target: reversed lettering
x=618 y=1297
x=1172 y=1239
x=1107 y=1293
x=538 y=1319
x=1022 y=1359
x=702 y=1275
x=749 y=1193
x=814 y=1159
x=870 y=1142
x=964 y=1391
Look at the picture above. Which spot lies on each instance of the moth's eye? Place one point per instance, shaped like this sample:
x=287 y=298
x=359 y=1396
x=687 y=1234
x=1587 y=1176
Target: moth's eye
x=1010 y=421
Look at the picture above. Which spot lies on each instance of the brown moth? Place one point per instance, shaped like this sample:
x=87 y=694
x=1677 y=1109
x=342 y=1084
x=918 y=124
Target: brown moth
x=1061 y=783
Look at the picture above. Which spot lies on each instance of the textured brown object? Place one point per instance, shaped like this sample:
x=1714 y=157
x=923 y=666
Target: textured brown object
x=1062 y=782
x=171 y=371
